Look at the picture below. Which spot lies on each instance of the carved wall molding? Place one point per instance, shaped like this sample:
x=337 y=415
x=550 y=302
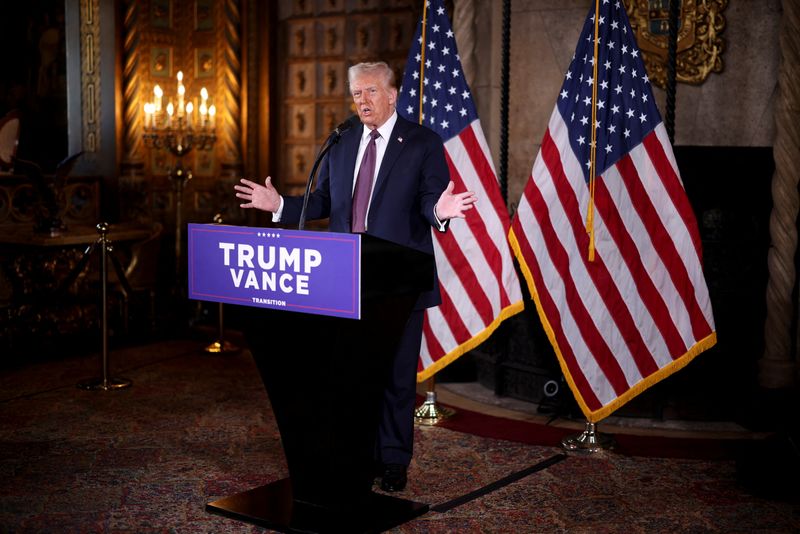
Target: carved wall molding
x=778 y=366
x=132 y=83
x=700 y=44
x=90 y=75
x=229 y=83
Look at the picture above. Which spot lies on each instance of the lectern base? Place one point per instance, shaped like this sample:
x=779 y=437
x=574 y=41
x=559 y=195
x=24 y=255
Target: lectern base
x=272 y=506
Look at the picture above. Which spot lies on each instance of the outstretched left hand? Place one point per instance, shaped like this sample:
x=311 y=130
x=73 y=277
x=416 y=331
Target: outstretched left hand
x=451 y=206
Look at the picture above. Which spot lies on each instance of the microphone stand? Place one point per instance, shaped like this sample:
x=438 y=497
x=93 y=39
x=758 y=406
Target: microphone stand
x=332 y=139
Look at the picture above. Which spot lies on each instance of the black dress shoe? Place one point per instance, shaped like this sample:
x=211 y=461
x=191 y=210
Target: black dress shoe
x=395 y=477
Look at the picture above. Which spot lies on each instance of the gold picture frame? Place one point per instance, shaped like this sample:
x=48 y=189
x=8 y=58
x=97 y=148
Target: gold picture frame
x=700 y=44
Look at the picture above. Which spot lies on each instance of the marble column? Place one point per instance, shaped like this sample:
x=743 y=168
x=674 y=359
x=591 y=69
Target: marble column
x=778 y=365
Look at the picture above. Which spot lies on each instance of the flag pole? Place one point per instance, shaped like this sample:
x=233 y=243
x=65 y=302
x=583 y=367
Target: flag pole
x=429 y=412
x=593 y=146
x=422 y=34
x=590 y=441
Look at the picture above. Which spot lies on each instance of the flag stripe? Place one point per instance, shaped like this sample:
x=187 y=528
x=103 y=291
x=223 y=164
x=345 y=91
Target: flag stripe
x=463 y=270
x=626 y=341
x=550 y=315
x=672 y=184
x=637 y=274
x=429 y=337
x=595 y=341
x=479 y=235
x=484 y=172
x=663 y=244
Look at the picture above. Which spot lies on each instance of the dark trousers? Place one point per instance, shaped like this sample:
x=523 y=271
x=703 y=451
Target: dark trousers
x=396 y=430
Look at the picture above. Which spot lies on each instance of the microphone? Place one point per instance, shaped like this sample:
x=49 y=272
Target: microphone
x=351 y=121
x=333 y=138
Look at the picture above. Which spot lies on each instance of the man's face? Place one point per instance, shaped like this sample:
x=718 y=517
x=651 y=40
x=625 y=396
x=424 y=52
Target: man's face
x=373 y=98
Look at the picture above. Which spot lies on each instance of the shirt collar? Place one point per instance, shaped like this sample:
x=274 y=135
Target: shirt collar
x=385 y=129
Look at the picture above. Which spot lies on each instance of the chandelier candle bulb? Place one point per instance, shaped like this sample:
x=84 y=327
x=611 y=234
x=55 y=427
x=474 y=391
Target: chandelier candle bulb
x=159 y=94
x=189 y=109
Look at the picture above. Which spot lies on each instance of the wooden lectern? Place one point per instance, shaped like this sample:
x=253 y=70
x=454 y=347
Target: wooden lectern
x=325 y=378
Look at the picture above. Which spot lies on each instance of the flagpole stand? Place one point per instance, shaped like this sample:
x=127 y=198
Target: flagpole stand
x=589 y=441
x=430 y=412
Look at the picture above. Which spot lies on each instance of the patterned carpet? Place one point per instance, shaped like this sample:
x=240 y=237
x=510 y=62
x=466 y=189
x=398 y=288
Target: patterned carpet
x=196 y=427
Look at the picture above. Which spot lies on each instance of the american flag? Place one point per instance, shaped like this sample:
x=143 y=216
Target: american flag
x=640 y=310
x=479 y=284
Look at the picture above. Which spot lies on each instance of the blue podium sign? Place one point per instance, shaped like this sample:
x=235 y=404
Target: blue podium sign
x=294 y=270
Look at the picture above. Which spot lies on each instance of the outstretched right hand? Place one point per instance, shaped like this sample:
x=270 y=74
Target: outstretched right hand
x=264 y=197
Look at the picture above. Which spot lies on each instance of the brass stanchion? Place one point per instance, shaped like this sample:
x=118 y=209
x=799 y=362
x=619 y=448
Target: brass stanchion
x=589 y=441
x=430 y=413
x=220 y=346
x=104 y=383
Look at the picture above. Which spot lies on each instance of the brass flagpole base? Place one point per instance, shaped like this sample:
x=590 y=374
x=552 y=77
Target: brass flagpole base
x=430 y=413
x=589 y=441
x=97 y=384
x=222 y=347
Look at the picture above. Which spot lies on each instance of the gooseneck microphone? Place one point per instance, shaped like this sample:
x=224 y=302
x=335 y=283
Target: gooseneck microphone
x=333 y=138
x=351 y=121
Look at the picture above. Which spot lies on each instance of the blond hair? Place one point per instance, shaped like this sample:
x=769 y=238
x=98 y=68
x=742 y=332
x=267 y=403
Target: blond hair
x=380 y=68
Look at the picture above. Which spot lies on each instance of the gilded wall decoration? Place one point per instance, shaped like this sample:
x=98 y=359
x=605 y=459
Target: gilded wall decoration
x=204 y=62
x=301 y=80
x=363 y=36
x=332 y=33
x=329 y=115
x=161 y=62
x=301 y=121
x=700 y=44
x=297 y=164
x=332 y=78
x=331 y=6
x=302 y=7
x=161 y=14
x=301 y=38
x=399 y=31
x=203 y=15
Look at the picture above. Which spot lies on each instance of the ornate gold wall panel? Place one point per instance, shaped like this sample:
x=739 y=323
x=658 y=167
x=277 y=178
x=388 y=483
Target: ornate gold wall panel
x=700 y=44
x=201 y=38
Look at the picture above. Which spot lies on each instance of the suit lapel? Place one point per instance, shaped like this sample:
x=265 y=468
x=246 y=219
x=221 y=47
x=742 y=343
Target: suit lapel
x=348 y=166
x=394 y=147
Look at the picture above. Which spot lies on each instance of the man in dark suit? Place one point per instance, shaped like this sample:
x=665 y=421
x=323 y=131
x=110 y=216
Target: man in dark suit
x=388 y=178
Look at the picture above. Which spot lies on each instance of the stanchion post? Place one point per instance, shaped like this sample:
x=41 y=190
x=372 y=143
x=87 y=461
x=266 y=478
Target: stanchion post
x=430 y=412
x=220 y=346
x=104 y=383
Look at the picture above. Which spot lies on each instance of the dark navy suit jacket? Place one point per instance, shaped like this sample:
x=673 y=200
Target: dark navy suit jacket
x=411 y=179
